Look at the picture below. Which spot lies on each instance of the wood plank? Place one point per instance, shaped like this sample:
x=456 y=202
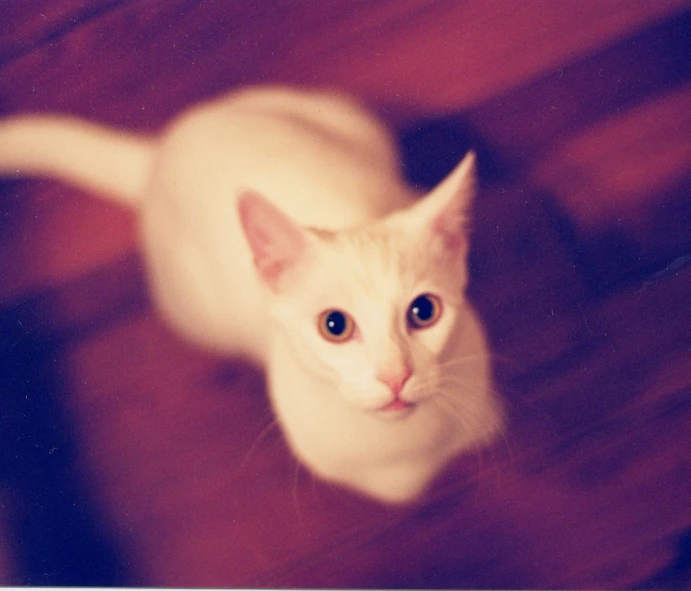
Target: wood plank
x=531 y=119
x=624 y=186
x=619 y=169
x=22 y=28
x=52 y=234
x=7 y=560
x=228 y=44
x=481 y=50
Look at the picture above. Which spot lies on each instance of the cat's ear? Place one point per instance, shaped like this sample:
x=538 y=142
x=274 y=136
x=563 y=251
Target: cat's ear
x=278 y=244
x=445 y=210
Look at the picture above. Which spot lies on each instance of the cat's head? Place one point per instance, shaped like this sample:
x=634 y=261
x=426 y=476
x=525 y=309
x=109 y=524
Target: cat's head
x=372 y=310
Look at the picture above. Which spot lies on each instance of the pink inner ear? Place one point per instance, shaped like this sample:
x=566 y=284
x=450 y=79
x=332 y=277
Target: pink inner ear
x=450 y=227
x=276 y=241
x=450 y=202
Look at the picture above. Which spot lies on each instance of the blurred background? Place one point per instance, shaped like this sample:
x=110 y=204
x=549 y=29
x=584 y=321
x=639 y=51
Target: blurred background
x=128 y=457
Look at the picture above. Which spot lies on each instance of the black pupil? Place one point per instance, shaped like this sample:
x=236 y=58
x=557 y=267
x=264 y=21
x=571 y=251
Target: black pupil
x=336 y=323
x=422 y=309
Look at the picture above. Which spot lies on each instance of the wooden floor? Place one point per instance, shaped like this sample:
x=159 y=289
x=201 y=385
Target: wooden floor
x=127 y=457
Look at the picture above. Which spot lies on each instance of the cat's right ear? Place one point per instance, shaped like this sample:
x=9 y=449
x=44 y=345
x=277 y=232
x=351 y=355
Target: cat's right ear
x=277 y=243
x=445 y=210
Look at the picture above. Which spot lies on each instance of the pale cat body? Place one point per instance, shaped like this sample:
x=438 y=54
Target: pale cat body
x=381 y=411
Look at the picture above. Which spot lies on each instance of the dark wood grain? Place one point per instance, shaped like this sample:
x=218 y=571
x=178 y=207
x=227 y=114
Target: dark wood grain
x=129 y=457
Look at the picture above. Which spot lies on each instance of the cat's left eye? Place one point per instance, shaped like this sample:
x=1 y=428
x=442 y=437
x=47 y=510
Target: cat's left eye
x=424 y=311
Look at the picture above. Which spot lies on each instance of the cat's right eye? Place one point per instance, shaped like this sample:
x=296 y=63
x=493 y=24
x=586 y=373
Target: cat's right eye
x=336 y=326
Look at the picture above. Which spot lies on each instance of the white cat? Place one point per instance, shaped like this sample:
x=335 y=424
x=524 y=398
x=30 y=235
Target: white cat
x=275 y=223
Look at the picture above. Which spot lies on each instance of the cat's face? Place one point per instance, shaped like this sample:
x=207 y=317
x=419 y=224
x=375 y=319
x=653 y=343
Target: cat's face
x=372 y=311
x=373 y=315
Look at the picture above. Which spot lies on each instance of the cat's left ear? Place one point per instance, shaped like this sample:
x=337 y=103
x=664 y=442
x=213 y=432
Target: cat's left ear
x=445 y=210
x=278 y=244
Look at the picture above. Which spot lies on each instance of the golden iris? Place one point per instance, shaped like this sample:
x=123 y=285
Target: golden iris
x=424 y=311
x=336 y=326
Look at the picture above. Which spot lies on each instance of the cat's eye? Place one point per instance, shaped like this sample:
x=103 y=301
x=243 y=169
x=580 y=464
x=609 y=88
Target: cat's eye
x=336 y=326
x=424 y=311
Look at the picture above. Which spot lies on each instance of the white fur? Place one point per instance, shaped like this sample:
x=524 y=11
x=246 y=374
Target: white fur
x=317 y=161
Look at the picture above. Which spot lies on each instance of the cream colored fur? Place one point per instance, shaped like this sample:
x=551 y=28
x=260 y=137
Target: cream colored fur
x=266 y=207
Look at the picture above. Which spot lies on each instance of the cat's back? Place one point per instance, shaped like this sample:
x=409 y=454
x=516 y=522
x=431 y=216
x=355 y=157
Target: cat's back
x=319 y=156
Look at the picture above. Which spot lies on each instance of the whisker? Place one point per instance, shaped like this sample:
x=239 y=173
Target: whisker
x=255 y=444
x=460 y=361
x=497 y=430
x=443 y=401
x=455 y=380
x=507 y=361
x=469 y=406
x=460 y=406
x=296 y=499
x=508 y=446
x=463 y=358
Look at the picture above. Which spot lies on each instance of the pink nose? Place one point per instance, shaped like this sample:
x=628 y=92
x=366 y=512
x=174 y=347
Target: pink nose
x=395 y=378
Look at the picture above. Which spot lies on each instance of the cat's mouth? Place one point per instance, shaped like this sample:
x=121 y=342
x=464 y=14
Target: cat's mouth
x=395 y=409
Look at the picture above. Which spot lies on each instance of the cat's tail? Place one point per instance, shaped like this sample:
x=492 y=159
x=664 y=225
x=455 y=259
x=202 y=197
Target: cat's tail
x=114 y=164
